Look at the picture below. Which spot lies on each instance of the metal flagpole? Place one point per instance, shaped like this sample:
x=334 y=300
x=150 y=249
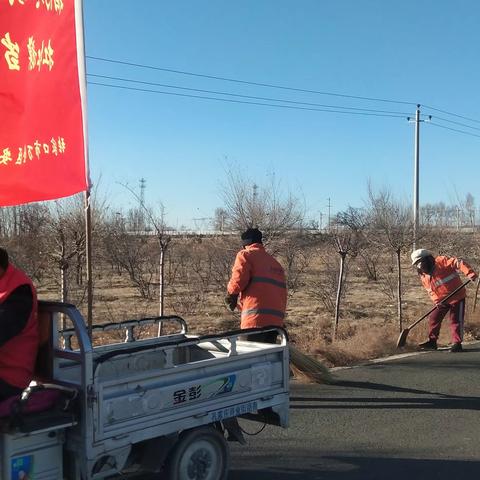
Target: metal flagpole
x=79 y=19
x=88 y=255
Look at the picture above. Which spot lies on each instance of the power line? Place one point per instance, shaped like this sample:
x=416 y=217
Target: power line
x=454 y=129
x=456 y=123
x=244 y=102
x=243 y=96
x=453 y=114
x=268 y=85
x=245 y=82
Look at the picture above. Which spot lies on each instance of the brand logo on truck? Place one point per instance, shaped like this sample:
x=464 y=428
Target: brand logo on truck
x=213 y=388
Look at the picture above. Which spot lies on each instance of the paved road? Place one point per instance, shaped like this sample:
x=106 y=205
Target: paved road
x=413 y=418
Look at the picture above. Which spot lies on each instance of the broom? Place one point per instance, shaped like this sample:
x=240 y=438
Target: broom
x=306 y=366
x=402 y=338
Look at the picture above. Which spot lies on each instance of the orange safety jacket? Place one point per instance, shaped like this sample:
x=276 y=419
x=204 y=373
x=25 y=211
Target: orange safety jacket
x=18 y=355
x=260 y=281
x=445 y=279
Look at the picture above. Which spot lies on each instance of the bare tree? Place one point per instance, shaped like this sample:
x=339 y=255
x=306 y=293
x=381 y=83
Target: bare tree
x=392 y=227
x=249 y=204
x=324 y=286
x=295 y=251
x=131 y=253
x=65 y=231
x=22 y=232
x=163 y=237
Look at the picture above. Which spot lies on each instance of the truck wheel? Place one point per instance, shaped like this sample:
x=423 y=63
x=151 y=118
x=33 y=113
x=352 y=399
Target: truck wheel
x=200 y=454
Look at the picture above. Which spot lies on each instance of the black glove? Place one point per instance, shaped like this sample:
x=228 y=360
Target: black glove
x=231 y=301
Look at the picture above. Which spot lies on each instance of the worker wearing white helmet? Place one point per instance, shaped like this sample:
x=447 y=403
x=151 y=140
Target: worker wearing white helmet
x=440 y=277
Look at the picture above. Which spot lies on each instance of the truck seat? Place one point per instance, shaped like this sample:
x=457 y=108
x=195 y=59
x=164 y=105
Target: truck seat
x=38 y=401
x=45 y=398
x=42 y=395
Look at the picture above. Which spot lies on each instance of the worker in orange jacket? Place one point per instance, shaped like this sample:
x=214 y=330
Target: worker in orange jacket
x=257 y=287
x=440 y=276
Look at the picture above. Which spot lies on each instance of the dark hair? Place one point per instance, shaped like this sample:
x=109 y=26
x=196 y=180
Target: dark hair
x=251 y=235
x=3 y=259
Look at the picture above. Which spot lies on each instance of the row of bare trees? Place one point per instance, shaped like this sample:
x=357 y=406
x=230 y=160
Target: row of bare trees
x=180 y=272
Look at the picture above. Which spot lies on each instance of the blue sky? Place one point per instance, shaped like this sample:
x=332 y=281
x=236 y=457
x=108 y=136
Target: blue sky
x=419 y=51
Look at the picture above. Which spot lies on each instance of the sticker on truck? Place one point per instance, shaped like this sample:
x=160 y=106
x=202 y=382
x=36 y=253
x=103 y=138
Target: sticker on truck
x=235 y=411
x=22 y=468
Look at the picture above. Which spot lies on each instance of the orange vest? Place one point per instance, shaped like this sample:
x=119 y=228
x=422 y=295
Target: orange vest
x=260 y=281
x=445 y=279
x=18 y=355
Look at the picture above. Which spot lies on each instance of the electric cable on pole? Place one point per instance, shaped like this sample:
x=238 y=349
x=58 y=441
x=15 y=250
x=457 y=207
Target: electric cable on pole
x=416 y=173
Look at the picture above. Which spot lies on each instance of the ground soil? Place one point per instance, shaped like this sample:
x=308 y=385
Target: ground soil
x=368 y=327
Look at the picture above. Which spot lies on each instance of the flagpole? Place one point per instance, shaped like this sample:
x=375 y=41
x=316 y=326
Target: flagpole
x=80 y=28
x=88 y=255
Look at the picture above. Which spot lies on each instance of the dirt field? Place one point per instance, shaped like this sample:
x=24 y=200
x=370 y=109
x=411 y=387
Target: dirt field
x=368 y=326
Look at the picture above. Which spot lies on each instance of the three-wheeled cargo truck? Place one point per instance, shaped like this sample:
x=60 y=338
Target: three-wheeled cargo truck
x=166 y=404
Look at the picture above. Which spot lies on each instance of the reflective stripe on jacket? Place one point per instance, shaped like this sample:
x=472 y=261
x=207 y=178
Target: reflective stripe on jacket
x=18 y=355
x=260 y=281
x=445 y=279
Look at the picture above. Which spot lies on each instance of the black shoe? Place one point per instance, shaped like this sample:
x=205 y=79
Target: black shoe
x=430 y=344
x=456 y=347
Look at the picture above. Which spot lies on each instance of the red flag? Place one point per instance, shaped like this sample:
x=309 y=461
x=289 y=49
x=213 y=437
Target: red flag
x=42 y=101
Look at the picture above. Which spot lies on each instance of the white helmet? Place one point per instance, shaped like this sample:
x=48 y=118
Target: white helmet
x=417 y=255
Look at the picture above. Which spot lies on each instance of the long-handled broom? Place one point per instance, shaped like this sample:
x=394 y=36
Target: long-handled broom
x=402 y=338
x=308 y=367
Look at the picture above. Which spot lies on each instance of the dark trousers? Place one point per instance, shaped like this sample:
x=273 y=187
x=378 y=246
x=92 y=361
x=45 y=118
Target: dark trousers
x=7 y=390
x=457 y=314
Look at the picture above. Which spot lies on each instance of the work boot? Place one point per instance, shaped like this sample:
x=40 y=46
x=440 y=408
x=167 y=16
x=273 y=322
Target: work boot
x=456 y=347
x=430 y=344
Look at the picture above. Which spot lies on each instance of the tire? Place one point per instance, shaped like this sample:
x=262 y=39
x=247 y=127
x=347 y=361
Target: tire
x=200 y=454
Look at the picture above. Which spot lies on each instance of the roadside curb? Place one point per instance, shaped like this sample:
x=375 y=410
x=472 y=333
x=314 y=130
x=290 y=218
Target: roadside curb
x=396 y=357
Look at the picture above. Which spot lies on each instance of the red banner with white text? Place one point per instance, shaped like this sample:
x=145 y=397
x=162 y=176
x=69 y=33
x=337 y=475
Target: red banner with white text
x=42 y=101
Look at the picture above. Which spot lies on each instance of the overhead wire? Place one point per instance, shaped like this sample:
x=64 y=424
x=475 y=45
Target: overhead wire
x=245 y=82
x=454 y=129
x=229 y=100
x=456 y=123
x=292 y=104
x=451 y=113
x=216 y=92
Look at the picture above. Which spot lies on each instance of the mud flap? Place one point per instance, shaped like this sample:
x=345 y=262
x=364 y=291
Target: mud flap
x=234 y=431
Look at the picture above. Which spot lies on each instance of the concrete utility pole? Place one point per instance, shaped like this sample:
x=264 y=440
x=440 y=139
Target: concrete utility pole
x=329 y=206
x=416 y=177
x=416 y=174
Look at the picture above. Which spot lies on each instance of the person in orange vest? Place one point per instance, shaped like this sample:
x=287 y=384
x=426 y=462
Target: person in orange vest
x=257 y=287
x=440 y=276
x=18 y=328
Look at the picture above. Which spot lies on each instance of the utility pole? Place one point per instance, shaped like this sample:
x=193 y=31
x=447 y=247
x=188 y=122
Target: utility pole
x=416 y=173
x=329 y=206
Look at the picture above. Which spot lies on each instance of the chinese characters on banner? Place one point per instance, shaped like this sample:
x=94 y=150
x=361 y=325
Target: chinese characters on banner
x=42 y=99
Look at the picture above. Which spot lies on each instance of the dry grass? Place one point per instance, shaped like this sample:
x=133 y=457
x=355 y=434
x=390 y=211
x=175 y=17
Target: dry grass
x=367 y=327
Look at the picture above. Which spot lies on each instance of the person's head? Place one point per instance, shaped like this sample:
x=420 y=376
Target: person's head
x=423 y=260
x=3 y=261
x=251 y=235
